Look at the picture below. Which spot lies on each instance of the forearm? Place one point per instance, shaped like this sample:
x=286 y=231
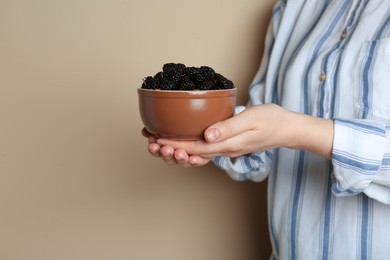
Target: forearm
x=292 y=130
x=311 y=133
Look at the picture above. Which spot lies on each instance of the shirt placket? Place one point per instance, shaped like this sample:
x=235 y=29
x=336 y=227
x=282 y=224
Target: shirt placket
x=331 y=62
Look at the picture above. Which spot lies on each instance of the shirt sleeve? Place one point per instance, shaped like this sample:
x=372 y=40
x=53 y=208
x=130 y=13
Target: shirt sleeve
x=255 y=166
x=361 y=158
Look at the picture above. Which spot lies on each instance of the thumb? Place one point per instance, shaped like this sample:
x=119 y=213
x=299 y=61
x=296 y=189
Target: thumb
x=228 y=128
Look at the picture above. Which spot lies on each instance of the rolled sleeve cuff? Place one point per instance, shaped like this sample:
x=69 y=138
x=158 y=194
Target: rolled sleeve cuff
x=254 y=167
x=358 y=149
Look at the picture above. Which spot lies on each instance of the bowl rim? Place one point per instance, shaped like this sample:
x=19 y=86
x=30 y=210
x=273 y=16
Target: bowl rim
x=187 y=93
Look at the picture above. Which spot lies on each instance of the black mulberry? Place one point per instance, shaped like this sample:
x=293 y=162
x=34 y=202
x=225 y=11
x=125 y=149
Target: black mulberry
x=176 y=76
x=222 y=82
x=187 y=84
x=207 y=72
x=159 y=76
x=150 y=83
x=207 y=84
x=167 y=84
x=173 y=71
x=195 y=74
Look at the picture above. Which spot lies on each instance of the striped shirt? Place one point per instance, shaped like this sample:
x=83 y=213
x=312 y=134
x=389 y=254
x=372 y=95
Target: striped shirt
x=329 y=59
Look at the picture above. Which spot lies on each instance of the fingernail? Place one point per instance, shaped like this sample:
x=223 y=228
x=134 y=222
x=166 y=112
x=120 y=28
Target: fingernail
x=212 y=135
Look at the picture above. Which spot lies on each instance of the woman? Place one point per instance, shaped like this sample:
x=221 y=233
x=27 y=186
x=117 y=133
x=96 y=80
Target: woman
x=318 y=126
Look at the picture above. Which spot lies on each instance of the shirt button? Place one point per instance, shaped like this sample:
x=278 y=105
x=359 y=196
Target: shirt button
x=343 y=35
x=322 y=76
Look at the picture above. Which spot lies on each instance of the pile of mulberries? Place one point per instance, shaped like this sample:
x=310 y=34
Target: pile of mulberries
x=176 y=76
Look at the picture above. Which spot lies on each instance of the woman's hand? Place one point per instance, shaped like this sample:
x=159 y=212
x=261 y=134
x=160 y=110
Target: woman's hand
x=170 y=155
x=255 y=129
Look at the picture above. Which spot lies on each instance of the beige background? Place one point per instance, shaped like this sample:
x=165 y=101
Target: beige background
x=76 y=181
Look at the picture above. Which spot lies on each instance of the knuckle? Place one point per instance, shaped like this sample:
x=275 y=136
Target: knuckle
x=227 y=129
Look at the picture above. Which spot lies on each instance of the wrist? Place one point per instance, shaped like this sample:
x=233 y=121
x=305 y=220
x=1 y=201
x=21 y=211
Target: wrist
x=311 y=133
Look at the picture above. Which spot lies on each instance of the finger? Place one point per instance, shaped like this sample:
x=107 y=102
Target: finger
x=167 y=153
x=181 y=157
x=200 y=148
x=195 y=160
x=234 y=146
x=154 y=149
x=191 y=147
x=228 y=128
x=152 y=139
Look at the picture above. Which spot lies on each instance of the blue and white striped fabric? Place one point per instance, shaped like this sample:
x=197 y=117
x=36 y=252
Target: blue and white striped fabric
x=330 y=59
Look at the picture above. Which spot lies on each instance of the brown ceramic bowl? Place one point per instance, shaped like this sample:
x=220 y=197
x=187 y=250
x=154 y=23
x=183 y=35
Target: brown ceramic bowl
x=184 y=115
